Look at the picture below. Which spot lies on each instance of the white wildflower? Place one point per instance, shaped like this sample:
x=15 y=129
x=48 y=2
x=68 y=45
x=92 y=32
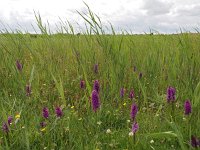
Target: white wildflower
x=130 y=134
x=108 y=131
x=152 y=141
x=99 y=122
x=128 y=121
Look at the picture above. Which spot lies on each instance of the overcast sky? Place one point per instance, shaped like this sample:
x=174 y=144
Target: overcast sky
x=165 y=16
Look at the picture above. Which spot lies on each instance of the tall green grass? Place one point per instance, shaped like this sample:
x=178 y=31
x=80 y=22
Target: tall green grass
x=54 y=64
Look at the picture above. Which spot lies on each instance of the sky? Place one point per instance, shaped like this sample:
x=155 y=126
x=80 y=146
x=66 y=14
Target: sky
x=137 y=16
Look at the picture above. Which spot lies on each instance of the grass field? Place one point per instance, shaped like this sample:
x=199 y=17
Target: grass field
x=53 y=67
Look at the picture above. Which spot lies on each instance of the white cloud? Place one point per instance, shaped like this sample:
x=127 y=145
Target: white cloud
x=137 y=15
x=157 y=7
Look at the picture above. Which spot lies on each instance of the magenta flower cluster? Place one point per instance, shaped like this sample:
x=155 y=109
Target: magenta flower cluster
x=96 y=86
x=187 y=107
x=122 y=91
x=58 y=112
x=82 y=84
x=171 y=94
x=19 y=65
x=135 y=127
x=45 y=112
x=28 y=90
x=5 y=126
x=95 y=96
x=134 y=111
x=195 y=142
x=131 y=94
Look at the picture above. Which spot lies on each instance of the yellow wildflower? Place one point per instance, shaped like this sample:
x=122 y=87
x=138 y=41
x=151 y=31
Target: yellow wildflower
x=43 y=129
x=17 y=116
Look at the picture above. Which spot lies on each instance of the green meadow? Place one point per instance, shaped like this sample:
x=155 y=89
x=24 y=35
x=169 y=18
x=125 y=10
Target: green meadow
x=55 y=64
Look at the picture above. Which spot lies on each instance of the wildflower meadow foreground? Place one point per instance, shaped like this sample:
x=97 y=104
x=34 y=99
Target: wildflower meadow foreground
x=99 y=91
